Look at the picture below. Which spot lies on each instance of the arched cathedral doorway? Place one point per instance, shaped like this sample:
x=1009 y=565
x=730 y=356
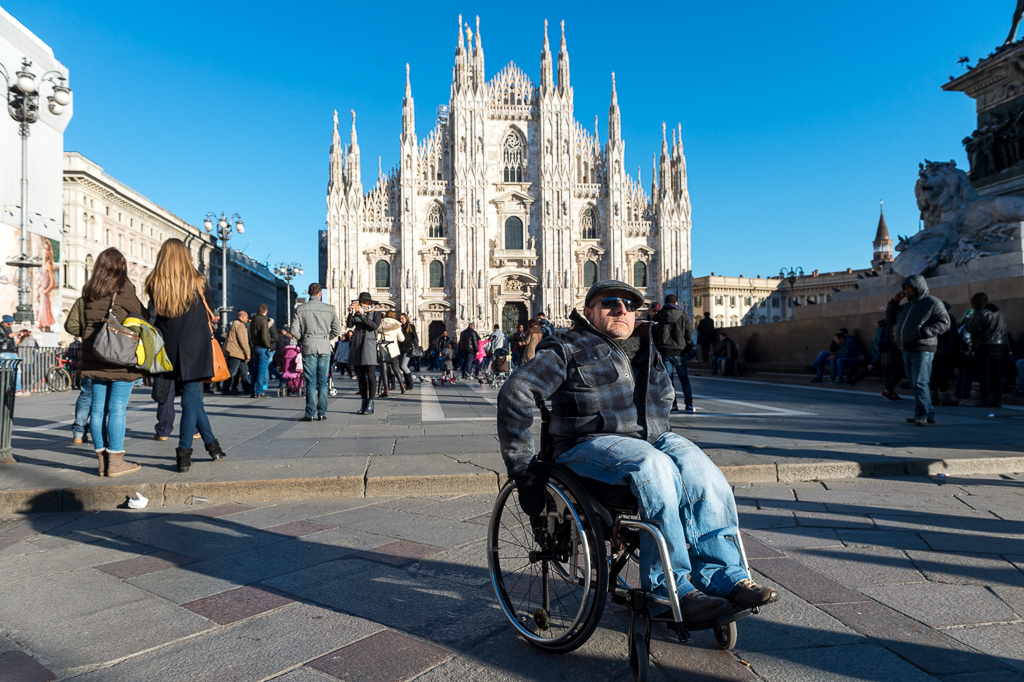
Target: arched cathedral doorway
x=434 y=330
x=512 y=315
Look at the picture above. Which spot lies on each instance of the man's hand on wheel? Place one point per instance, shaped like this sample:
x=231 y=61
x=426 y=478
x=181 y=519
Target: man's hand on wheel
x=530 y=486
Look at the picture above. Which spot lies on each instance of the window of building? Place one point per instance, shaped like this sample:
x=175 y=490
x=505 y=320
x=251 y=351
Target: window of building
x=760 y=300
x=513 y=234
x=436 y=274
x=697 y=302
x=718 y=300
x=775 y=302
x=383 y=274
x=120 y=242
x=107 y=242
x=732 y=301
x=118 y=217
x=748 y=301
x=131 y=247
x=435 y=226
x=589 y=273
x=828 y=298
x=512 y=158
x=108 y=211
x=588 y=226
x=88 y=267
x=640 y=274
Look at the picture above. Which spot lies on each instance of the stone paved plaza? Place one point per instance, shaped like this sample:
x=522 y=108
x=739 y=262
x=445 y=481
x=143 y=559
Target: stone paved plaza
x=384 y=577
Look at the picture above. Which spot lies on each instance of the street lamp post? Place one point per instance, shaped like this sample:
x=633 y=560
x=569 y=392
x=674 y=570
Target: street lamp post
x=288 y=272
x=23 y=106
x=792 y=276
x=224 y=227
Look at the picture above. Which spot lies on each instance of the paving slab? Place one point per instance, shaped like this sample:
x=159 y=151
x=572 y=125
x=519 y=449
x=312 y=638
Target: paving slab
x=1004 y=642
x=939 y=605
x=384 y=655
x=252 y=649
x=933 y=651
x=860 y=566
x=968 y=569
x=836 y=664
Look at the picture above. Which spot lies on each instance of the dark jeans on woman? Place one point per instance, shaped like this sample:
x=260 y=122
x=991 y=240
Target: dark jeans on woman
x=193 y=415
x=988 y=362
x=367 y=375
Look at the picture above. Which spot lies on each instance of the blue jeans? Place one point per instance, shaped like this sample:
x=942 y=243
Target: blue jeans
x=193 y=415
x=919 y=372
x=83 y=406
x=315 y=376
x=263 y=356
x=820 y=363
x=681 y=492
x=846 y=366
x=108 y=413
x=677 y=364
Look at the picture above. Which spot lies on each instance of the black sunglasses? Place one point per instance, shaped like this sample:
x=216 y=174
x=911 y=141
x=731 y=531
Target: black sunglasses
x=612 y=302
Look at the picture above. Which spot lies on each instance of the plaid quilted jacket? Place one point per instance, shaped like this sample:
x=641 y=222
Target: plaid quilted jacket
x=591 y=388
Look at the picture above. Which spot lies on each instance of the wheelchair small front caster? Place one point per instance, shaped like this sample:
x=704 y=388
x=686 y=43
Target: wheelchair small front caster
x=725 y=635
x=639 y=646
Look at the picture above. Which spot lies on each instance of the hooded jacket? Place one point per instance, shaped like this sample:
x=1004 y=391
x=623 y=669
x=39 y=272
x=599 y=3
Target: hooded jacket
x=988 y=328
x=673 y=331
x=593 y=390
x=918 y=323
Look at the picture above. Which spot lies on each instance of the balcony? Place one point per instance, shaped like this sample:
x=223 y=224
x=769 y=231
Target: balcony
x=520 y=257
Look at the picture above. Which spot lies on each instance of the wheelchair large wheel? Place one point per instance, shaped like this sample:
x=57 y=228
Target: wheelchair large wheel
x=552 y=591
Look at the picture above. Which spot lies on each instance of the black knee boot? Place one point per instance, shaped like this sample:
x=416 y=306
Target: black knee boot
x=215 y=451
x=184 y=457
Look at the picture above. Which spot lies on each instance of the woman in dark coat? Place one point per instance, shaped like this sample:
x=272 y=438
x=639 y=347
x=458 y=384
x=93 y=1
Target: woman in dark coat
x=177 y=293
x=411 y=340
x=111 y=384
x=363 y=354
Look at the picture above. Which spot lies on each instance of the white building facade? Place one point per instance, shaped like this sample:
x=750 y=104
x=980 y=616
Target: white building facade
x=506 y=208
x=100 y=211
x=44 y=220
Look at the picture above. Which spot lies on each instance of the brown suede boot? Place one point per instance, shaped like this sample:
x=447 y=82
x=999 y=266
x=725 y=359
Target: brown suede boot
x=116 y=466
x=101 y=455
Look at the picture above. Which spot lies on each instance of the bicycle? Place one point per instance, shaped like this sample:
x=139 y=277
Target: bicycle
x=58 y=378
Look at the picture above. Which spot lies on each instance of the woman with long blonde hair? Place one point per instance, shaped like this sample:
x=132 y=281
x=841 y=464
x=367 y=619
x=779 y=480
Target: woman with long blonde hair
x=177 y=294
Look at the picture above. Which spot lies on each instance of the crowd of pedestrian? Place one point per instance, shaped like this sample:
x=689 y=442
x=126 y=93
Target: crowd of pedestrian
x=941 y=358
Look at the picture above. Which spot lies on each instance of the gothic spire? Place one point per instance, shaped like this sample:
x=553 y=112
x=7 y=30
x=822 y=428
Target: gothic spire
x=545 y=63
x=478 y=58
x=664 y=142
x=614 y=120
x=460 y=48
x=563 y=63
x=337 y=156
x=352 y=171
x=654 y=178
x=882 y=234
x=408 y=110
x=680 y=128
x=597 y=136
x=675 y=145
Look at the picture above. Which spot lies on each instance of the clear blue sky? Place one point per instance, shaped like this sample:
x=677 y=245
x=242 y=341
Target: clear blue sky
x=798 y=117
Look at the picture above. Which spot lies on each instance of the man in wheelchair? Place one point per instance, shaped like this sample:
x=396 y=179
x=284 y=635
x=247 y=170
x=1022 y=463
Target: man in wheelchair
x=610 y=397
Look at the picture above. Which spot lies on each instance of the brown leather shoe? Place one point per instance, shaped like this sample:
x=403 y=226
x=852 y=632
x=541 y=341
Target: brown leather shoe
x=749 y=594
x=159 y=437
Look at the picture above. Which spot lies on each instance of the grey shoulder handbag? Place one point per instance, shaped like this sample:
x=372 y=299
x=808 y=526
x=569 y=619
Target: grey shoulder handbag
x=115 y=344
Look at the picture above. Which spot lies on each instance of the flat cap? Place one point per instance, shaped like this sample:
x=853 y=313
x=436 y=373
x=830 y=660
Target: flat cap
x=605 y=285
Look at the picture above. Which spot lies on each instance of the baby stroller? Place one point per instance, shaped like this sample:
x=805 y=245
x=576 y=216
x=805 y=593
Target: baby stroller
x=291 y=366
x=500 y=369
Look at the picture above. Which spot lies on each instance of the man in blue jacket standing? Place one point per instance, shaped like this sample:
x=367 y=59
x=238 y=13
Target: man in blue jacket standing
x=917 y=326
x=610 y=397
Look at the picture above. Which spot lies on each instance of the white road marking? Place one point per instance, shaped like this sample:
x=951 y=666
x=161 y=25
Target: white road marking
x=431 y=410
x=769 y=411
x=57 y=426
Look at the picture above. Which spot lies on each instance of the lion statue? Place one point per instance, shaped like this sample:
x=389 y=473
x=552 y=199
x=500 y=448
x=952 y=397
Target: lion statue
x=958 y=224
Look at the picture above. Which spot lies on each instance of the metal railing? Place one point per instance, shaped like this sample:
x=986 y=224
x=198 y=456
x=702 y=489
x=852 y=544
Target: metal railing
x=7 y=369
x=35 y=363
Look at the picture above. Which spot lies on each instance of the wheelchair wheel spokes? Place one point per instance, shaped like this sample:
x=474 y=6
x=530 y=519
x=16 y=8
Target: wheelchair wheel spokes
x=552 y=591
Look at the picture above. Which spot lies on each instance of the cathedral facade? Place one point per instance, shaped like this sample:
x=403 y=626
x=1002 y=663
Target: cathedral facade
x=507 y=208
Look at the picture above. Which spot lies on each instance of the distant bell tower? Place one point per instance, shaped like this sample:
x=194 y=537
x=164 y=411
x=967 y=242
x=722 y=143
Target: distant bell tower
x=882 y=243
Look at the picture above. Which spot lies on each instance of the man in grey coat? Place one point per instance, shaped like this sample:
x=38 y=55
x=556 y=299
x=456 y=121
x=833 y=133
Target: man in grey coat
x=916 y=327
x=314 y=327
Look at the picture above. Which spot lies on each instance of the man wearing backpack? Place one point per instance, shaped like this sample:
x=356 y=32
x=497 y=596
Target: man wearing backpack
x=673 y=337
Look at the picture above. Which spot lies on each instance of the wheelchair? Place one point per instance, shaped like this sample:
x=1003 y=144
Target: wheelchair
x=552 y=575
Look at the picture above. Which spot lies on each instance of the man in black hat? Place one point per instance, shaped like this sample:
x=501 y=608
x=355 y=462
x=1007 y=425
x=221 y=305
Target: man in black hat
x=364 y=319
x=610 y=396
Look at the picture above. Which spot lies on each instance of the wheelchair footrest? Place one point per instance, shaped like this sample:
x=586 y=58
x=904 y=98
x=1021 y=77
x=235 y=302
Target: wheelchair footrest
x=732 y=617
